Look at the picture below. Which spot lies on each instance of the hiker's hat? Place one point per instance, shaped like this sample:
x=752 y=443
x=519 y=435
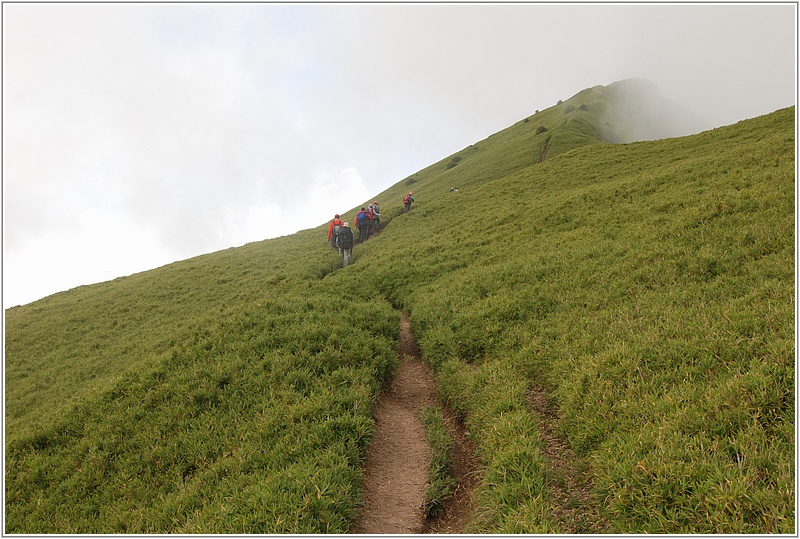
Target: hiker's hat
x=347 y=225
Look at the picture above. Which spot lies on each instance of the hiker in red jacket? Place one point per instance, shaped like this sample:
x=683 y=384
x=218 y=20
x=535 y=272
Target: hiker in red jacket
x=371 y=216
x=333 y=230
x=409 y=198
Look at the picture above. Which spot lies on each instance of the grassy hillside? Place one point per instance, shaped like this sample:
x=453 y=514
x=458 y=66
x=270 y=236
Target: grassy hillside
x=646 y=289
x=72 y=344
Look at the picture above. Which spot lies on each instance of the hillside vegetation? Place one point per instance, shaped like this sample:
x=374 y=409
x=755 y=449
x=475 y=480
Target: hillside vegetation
x=646 y=289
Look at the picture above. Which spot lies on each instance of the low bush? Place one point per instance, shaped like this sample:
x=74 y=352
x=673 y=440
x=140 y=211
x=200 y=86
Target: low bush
x=454 y=161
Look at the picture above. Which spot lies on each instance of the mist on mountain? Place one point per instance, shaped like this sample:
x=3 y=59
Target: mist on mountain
x=637 y=111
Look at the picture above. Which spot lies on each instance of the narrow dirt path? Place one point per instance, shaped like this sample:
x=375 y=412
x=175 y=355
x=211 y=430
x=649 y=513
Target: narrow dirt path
x=396 y=470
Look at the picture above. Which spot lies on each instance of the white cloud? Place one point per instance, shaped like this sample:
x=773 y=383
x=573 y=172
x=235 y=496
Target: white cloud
x=109 y=247
x=329 y=194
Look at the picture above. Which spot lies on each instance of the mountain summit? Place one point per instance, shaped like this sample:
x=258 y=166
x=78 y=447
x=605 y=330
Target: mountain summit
x=638 y=112
x=630 y=110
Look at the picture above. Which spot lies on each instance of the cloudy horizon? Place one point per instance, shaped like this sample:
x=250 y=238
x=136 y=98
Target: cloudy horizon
x=137 y=135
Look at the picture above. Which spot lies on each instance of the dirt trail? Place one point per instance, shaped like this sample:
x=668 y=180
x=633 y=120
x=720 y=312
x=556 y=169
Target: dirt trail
x=397 y=463
x=396 y=470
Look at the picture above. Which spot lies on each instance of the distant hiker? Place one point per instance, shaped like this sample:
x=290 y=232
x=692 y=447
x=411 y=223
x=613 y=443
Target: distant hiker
x=362 y=222
x=345 y=241
x=377 y=209
x=409 y=198
x=372 y=219
x=333 y=230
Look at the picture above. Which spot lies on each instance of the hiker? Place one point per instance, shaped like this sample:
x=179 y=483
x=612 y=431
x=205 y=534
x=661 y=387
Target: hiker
x=376 y=210
x=345 y=241
x=362 y=222
x=409 y=198
x=333 y=230
x=371 y=215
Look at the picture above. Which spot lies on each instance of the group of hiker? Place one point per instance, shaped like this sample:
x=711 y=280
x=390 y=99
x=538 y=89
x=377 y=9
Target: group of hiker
x=368 y=222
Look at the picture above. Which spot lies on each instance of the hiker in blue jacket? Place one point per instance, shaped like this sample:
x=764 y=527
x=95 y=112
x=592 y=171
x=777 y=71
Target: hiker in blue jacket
x=362 y=222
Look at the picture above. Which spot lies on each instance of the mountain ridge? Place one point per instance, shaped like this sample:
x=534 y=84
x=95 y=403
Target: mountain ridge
x=627 y=111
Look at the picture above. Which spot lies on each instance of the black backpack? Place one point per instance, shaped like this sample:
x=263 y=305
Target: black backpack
x=345 y=238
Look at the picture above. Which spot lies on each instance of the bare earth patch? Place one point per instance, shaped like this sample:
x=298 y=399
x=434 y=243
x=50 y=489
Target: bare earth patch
x=396 y=470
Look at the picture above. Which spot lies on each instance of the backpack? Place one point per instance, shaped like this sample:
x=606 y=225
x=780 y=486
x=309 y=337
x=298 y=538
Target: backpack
x=407 y=199
x=336 y=227
x=345 y=238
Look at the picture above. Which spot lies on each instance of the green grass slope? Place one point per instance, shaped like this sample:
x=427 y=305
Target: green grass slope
x=649 y=289
x=72 y=344
x=254 y=420
x=646 y=288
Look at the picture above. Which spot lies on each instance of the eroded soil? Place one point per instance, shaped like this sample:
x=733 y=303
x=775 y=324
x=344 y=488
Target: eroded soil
x=396 y=470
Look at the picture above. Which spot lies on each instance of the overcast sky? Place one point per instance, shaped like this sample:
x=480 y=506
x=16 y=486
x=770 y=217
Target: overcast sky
x=135 y=135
